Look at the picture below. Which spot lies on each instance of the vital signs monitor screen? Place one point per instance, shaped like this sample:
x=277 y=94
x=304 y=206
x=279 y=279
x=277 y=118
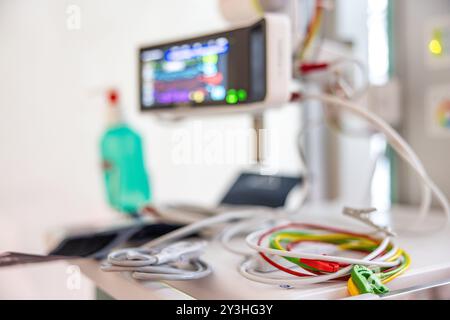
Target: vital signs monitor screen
x=222 y=69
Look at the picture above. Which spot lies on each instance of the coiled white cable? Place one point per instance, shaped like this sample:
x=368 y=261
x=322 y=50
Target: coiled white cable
x=248 y=268
x=251 y=241
x=178 y=261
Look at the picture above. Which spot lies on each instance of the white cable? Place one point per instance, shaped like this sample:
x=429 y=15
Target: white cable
x=414 y=162
x=197 y=269
x=398 y=144
x=200 y=225
x=146 y=269
x=122 y=258
x=357 y=93
x=200 y=270
x=351 y=92
x=232 y=231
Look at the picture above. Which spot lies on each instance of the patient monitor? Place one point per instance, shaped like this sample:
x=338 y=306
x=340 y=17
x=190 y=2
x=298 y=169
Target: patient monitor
x=242 y=70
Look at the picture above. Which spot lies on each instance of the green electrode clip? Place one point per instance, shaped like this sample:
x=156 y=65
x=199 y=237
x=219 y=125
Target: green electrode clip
x=367 y=281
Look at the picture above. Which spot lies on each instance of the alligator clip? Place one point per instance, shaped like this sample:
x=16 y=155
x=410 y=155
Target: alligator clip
x=363 y=215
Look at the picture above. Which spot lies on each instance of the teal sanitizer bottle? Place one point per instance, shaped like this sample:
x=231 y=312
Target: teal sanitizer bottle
x=126 y=180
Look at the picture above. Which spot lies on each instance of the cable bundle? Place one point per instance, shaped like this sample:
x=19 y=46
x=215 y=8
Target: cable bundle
x=313 y=29
x=379 y=261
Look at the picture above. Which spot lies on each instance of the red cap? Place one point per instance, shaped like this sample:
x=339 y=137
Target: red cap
x=113 y=96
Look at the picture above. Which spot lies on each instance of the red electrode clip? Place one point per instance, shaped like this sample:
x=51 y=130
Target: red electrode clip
x=325 y=266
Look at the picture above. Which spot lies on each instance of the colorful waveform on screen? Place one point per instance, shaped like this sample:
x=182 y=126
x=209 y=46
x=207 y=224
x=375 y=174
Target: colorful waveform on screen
x=188 y=73
x=443 y=114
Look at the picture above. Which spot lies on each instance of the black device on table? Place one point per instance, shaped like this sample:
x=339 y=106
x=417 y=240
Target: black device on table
x=260 y=190
x=97 y=245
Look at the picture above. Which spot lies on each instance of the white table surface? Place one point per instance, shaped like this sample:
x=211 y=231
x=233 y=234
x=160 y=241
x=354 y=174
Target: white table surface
x=430 y=256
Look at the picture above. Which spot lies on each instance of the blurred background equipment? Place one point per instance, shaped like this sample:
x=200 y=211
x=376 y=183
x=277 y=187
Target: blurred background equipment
x=126 y=180
x=241 y=70
x=423 y=68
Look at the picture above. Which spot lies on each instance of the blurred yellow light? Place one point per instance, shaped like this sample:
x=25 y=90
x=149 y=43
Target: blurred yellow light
x=198 y=96
x=435 y=47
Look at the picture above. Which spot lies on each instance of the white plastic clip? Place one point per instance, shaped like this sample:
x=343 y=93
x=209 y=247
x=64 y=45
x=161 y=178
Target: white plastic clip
x=364 y=215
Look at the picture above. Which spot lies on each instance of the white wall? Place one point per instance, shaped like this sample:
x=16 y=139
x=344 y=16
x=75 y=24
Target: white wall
x=52 y=115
